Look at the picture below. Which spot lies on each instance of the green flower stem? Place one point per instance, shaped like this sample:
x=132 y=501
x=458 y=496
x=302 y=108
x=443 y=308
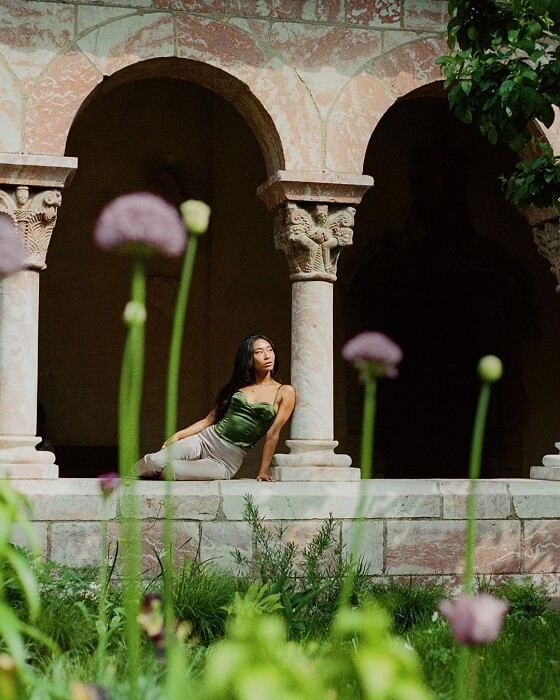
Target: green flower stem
x=368 y=423
x=366 y=468
x=170 y=428
x=103 y=583
x=130 y=397
x=474 y=474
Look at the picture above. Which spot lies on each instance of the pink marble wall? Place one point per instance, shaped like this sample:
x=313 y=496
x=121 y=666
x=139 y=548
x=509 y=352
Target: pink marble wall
x=312 y=91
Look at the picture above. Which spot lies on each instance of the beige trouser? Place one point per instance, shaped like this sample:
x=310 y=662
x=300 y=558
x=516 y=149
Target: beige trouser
x=201 y=457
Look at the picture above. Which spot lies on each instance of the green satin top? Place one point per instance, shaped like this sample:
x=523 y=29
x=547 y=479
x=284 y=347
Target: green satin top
x=245 y=423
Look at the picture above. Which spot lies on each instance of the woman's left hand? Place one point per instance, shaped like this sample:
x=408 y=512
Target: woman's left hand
x=265 y=477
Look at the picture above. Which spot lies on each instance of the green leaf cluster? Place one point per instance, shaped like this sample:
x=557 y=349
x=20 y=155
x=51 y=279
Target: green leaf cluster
x=502 y=73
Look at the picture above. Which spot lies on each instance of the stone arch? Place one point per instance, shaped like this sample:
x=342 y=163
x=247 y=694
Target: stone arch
x=217 y=55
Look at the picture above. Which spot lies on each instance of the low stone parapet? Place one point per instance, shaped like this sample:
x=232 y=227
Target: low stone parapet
x=413 y=530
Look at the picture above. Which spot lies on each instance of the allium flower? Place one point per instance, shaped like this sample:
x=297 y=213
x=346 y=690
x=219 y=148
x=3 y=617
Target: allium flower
x=196 y=216
x=108 y=483
x=141 y=219
x=374 y=353
x=475 y=619
x=12 y=250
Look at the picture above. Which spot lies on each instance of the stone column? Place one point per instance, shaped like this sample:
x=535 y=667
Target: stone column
x=314 y=223
x=28 y=196
x=545 y=224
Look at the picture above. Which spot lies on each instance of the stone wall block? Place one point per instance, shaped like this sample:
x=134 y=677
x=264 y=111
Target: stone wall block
x=325 y=57
x=313 y=10
x=56 y=98
x=493 y=500
x=198 y=500
x=411 y=66
x=423 y=547
x=376 y=13
x=541 y=546
x=78 y=544
x=40 y=530
x=354 y=116
x=67 y=499
x=123 y=42
x=425 y=15
x=191 y=5
x=10 y=112
x=535 y=499
x=186 y=540
x=370 y=546
x=220 y=540
x=281 y=92
x=90 y=16
x=317 y=500
x=219 y=44
x=32 y=33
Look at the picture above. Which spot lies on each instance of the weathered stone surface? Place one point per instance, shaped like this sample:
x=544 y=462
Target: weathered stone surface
x=32 y=33
x=313 y=10
x=325 y=57
x=77 y=544
x=535 y=499
x=546 y=473
x=48 y=172
x=90 y=16
x=67 y=499
x=392 y=498
x=56 y=98
x=493 y=500
x=10 y=111
x=186 y=539
x=125 y=41
x=220 y=540
x=423 y=547
x=541 y=546
x=411 y=65
x=191 y=5
x=197 y=500
x=373 y=12
x=353 y=118
x=425 y=15
x=365 y=540
x=40 y=533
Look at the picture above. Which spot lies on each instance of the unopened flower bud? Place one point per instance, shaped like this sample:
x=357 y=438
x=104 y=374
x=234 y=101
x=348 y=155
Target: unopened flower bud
x=490 y=369
x=196 y=216
x=134 y=313
x=108 y=483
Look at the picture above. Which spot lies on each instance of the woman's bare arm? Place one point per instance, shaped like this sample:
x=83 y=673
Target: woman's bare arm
x=193 y=429
x=287 y=400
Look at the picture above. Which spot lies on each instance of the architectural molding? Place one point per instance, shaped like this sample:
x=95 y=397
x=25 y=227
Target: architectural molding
x=34 y=213
x=312 y=237
x=310 y=186
x=49 y=172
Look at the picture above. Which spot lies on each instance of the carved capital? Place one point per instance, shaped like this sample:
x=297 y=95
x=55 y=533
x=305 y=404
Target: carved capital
x=34 y=213
x=312 y=237
x=547 y=239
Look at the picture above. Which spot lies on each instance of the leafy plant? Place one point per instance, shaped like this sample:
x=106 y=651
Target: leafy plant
x=526 y=599
x=409 y=605
x=502 y=73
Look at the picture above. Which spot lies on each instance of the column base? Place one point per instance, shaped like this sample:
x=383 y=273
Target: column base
x=313 y=460
x=20 y=460
x=550 y=471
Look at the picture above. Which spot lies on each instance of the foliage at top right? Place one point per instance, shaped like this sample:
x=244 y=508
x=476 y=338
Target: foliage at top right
x=502 y=74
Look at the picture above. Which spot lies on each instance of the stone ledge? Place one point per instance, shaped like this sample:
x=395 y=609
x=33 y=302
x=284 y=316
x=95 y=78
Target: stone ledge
x=36 y=170
x=532 y=499
x=493 y=499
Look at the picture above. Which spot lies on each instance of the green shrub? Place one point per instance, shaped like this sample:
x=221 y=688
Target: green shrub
x=526 y=599
x=409 y=605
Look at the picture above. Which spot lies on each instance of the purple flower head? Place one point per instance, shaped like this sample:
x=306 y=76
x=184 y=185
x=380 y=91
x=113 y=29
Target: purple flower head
x=108 y=483
x=475 y=619
x=141 y=220
x=12 y=250
x=373 y=353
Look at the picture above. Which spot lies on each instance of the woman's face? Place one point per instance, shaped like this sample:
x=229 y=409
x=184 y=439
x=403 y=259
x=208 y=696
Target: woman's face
x=263 y=356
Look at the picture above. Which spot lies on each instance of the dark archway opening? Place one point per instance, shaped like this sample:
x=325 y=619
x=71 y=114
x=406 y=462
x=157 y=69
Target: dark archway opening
x=442 y=264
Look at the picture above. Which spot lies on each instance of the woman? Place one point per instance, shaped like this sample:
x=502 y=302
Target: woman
x=251 y=405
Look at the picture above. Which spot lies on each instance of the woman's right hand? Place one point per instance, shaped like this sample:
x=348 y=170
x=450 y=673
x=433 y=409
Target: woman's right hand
x=170 y=441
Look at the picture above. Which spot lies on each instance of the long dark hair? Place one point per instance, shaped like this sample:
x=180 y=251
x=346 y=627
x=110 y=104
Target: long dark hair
x=243 y=373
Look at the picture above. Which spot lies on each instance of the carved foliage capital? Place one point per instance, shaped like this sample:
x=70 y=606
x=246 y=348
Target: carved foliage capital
x=547 y=239
x=312 y=237
x=34 y=213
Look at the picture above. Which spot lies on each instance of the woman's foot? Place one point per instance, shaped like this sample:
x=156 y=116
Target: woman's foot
x=147 y=471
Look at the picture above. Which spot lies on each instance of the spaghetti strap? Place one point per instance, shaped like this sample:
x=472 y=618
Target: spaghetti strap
x=276 y=395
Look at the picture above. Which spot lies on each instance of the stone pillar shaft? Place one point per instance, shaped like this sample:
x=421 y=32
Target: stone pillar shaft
x=30 y=194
